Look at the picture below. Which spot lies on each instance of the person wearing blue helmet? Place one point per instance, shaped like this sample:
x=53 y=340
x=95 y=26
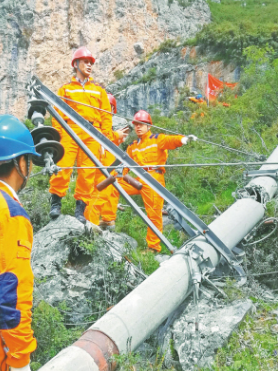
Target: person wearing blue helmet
x=16 y=238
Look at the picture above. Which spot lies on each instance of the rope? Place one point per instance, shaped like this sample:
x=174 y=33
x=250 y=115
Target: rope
x=166 y=130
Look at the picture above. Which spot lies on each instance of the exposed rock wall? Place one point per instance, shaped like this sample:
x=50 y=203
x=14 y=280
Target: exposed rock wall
x=161 y=81
x=39 y=36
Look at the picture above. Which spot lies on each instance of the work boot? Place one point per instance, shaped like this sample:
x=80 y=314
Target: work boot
x=56 y=203
x=79 y=211
x=104 y=224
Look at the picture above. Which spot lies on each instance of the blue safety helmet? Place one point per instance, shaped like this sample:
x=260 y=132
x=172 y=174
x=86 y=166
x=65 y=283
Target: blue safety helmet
x=199 y=96
x=15 y=139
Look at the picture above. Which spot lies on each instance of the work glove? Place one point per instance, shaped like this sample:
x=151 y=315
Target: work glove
x=188 y=139
x=25 y=368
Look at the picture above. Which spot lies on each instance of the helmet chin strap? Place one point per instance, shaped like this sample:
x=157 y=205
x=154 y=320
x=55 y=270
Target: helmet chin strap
x=77 y=63
x=25 y=178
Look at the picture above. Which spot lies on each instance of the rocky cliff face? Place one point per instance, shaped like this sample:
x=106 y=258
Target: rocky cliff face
x=39 y=37
x=165 y=77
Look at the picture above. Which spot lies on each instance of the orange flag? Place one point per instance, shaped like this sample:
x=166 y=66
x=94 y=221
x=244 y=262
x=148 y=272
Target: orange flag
x=215 y=86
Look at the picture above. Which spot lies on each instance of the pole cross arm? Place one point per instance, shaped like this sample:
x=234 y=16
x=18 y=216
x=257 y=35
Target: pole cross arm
x=255 y=173
x=42 y=92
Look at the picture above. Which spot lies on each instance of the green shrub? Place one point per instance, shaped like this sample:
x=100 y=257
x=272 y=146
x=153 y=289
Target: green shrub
x=51 y=334
x=119 y=74
x=237 y=25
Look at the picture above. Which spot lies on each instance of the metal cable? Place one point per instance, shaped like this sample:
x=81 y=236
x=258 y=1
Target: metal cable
x=275 y=220
x=160 y=128
x=170 y=166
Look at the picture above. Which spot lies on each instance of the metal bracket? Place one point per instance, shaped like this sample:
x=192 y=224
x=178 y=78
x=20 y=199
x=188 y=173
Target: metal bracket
x=214 y=286
x=206 y=265
x=256 y=173
x=196 y=275
x=174 y=215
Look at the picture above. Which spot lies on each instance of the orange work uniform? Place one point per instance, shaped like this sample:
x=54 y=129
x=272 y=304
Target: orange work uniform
x=100 y=203
x=16 y=283
x=93 y=95
x=148 y=151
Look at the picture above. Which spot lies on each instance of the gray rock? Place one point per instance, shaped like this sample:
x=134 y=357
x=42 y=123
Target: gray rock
x=120 y=123
x=160 y=258
x=161 y=81
x=139 y=48
x=79 y=266
x=216 y=323
x=30 y=38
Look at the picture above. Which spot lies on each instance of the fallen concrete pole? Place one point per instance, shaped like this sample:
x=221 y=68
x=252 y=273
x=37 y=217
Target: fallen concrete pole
x=140 y=313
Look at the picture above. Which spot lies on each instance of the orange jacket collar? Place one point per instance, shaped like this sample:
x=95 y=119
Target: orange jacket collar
x=6 y=189
x=145 y=136
x=73 y=79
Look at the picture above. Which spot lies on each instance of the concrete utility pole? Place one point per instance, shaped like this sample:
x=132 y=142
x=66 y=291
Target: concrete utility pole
x=141 y=312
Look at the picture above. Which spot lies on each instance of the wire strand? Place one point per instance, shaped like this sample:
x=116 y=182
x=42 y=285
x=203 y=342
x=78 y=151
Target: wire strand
x=152 y=167
x=160 y=128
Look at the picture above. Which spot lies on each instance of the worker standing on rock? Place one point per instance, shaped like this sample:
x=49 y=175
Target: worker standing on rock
x=148 y=151
x=16 y=239
x=101 y=202
x=81 y=89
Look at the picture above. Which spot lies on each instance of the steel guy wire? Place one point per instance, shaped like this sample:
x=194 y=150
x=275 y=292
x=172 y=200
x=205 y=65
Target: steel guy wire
x=160 y=128
x=214 y=164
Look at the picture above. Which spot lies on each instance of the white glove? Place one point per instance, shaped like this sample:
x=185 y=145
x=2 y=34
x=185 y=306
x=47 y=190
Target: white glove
x=189 y=138
x=192 y=137
x=25 y=368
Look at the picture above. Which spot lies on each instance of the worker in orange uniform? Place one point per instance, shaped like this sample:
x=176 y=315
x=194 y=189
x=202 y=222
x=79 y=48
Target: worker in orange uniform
x=148 y=151
x=16 y=239
x=101 y=203
x=81 y=89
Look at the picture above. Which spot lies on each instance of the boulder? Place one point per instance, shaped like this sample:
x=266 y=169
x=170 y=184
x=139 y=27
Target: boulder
x=82 y=268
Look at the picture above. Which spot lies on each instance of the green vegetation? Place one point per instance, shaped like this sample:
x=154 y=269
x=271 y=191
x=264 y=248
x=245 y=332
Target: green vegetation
x=237 y=25
x=119 y=74
x=249 y=124
x=134 y=361
x=51 y=333
x=167 y=45
x=147 y=77
x=250 y=127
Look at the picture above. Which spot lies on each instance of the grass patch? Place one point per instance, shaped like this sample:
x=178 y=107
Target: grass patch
x=238 y=24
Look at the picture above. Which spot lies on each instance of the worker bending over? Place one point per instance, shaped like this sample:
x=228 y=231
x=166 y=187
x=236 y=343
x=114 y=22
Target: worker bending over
x=81 y=89
x=16 y=239
x=101 y=202
x=148 y=151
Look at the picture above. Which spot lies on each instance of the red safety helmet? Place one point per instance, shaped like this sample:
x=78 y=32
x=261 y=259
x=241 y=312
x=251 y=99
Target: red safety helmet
x=143 y=116
x=112 y=101
x=82 y=52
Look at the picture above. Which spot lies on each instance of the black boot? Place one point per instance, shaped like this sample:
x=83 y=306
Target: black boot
x=56 y=203
x=79 y=211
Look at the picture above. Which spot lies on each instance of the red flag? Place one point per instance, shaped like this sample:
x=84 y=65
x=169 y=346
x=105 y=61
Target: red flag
x=215 y=86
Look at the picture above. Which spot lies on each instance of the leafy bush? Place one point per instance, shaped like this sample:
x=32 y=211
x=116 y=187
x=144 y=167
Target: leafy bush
x=238 y=24
x=119 y=74
x=51 y=334
x=167 y=45
x=147 y=77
